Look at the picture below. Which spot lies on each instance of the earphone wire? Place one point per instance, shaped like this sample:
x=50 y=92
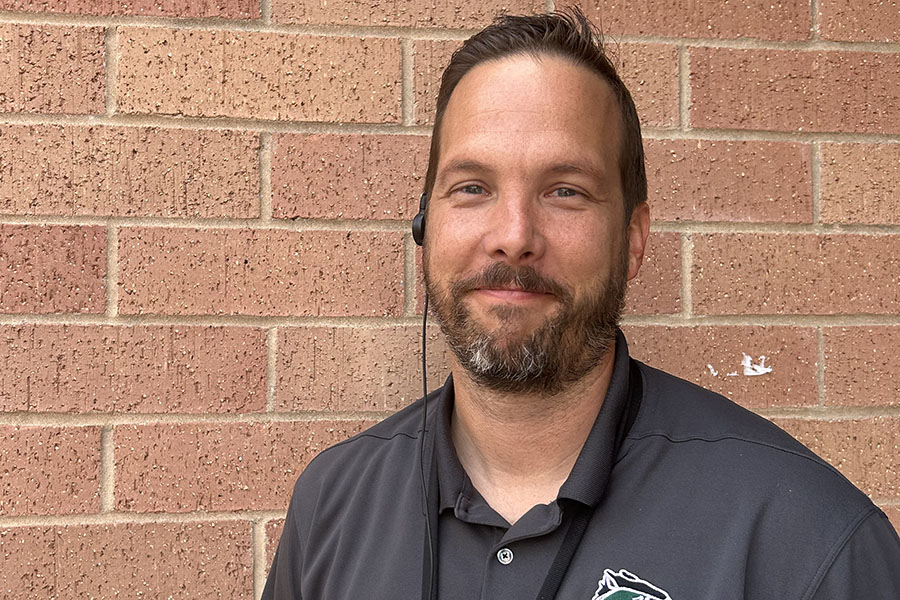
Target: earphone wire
x=428 y=533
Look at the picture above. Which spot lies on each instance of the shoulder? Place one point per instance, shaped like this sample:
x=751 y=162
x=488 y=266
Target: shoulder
x=393 y=439
x=680 y=410
x=738 y=446
x=373 y=464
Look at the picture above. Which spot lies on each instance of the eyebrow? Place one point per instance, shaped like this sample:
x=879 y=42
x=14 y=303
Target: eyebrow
x=464 y=165
x=586 y=169
x=563 y=168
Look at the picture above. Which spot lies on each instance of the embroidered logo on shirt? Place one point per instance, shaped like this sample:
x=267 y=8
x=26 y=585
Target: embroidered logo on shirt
x=623 y=585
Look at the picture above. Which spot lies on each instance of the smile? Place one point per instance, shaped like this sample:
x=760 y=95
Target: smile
x=511 y=294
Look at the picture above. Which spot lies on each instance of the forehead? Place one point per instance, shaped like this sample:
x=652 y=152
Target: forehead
x=524 y=104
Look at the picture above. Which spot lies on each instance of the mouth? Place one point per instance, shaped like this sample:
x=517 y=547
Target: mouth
x=512 y=294
x=502 y=283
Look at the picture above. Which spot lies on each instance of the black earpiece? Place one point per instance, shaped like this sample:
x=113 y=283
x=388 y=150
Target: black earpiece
x=418 y=222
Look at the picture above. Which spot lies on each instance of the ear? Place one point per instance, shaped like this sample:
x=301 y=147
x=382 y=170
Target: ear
x=636 y=238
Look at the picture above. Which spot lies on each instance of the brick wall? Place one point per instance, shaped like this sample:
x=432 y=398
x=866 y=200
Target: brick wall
x=206 y=274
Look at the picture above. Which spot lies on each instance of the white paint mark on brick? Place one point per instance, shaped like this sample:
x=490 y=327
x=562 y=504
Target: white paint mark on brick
x=751 y=369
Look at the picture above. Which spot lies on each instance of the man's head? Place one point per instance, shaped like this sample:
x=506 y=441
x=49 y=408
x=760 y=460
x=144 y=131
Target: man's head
x=529 y=237
x=567 y=35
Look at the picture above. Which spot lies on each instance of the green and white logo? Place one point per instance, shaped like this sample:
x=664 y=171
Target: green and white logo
x=623 y=585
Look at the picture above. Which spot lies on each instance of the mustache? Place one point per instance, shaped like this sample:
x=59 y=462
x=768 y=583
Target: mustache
x=498 y=275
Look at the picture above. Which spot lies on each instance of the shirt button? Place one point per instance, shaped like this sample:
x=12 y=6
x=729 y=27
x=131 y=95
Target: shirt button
x=505 y=556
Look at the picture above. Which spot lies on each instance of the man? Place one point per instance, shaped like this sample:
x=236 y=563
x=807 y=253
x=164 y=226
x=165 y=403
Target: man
x=552 y=464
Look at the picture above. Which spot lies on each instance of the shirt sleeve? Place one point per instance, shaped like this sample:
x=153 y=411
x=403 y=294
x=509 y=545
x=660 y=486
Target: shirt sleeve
x=866 y=566
x=283 y=582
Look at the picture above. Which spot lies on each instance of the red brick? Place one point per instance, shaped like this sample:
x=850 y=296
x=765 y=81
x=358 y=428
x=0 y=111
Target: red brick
x=703 y=180
x=347 y=369
x=873 y=21
x=430 y=58
x=208 y=73
x=649 y=70
x=754 y=273
x=49 y=470
x=128 y=171
x=273 y=535
x=217 y=466
x=348 y=176
x=406 y=13
x=794 y=90
x=862 y=366
x=657 y=288
x=866 y=451
x=260 y=272
x=156 y=369
x=688 y=18
x=29 y=563
x=155 y=560
x=714 y=357
x=228 y=9
x=859 y=183
x=49 y=69
x=53 y=269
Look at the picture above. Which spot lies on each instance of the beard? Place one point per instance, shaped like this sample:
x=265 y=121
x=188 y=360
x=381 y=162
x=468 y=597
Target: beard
x=556 y=354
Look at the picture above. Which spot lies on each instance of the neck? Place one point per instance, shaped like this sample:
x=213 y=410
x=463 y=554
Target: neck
x=518 y=449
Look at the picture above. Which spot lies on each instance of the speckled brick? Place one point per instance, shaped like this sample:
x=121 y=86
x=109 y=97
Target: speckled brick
x=430 y=58
x=374 y=177
x=761 y=19
x=656 y=290
x=704 y=180
x=649 y=70
x=49 y=470
x=260 y=272
x=859 y=183
x=757 y=367
x=228 y=9
x=128 y=171
x=51 y=69
x=273 y=535
x=406 y=13
x=853 y=21
x=795 y=90
x=866 y=451
x=134 y=560
x=254 y=75
x=29 y=562
x=217 y=466
x=52 y=269
x=862 y=366
x=741 y=274
x=153 y=369
x=349 y=369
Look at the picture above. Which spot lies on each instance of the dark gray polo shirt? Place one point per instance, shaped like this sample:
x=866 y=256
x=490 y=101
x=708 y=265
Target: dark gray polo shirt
x=701 y=500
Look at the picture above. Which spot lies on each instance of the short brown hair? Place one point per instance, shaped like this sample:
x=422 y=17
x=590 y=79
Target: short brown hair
x=567 y=34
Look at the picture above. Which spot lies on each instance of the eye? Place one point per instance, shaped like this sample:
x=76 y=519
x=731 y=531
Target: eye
x=564 y=192
x=471 y=189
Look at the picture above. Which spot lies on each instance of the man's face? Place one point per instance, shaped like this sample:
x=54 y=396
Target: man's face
x=527 y=251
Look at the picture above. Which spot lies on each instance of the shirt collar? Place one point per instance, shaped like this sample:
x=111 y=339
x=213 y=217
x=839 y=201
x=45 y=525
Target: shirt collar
x=590 y=474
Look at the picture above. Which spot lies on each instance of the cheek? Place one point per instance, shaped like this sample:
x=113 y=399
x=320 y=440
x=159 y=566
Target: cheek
x=448 y=239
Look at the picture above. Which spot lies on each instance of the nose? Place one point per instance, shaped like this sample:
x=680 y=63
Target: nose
x=514 y=231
